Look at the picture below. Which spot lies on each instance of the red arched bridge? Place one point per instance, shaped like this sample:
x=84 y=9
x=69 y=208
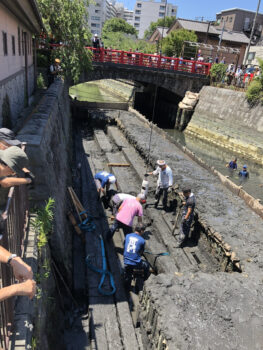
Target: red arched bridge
x=139 y=59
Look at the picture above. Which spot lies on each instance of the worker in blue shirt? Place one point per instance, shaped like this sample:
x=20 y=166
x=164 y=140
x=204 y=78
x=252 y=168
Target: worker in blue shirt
x=232 y=164
x=133 y=249
x=103 y=180
x=244 y=173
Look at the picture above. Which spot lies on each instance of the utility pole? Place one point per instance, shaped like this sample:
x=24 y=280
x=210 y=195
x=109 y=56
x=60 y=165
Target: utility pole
x=252 y=32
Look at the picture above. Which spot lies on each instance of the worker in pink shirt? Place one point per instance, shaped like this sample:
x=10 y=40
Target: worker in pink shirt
x=130 y=208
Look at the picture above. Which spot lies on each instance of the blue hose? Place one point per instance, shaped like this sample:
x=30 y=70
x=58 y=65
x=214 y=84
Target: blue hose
x=89 y=226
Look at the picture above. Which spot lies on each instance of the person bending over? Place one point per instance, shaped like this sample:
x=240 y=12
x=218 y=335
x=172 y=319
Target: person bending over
x=132 y=256
x=130 y=208
x=103 y=181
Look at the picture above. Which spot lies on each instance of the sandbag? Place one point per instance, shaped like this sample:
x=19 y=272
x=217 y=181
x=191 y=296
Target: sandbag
x=191 y=94
x=184 y=106
x=189 y=101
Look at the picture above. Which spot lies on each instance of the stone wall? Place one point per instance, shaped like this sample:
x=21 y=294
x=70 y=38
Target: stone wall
x=14 y=88
x=48 y=137
x=223 y=117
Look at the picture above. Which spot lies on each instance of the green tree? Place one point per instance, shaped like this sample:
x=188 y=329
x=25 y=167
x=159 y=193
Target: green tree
x=173 y=43
x=122 y=41
x=117 y=25
x=218 y=72
x=161 y=22
x=66 y=21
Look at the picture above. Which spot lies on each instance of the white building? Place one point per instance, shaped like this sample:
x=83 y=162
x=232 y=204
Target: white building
x=100 y=12
x=124 y=13
x=146 y=12
x=19 y=22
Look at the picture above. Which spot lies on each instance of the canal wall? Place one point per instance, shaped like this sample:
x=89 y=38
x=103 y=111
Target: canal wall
x=224 y=118
x=47 y=133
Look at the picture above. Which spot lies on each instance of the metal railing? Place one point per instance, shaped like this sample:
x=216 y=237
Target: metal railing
x=13 y=228
x=148 y=60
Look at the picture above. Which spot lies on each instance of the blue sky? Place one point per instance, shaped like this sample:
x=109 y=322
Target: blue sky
x=196 y=8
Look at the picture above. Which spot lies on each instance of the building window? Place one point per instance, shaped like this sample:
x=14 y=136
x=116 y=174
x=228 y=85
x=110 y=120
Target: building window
x=136 y=24
x=161 y=14
x=97 y=11
x=19 y=40
x=4 y=35
x=162 y=8
x=97 y=25
x=137 y=12
x=13 y=45
x=95 y=18
x=251 y=57
x=137 y=18
x=230 y=19
x=97 y=4
x=139 y=5
x=227 y=19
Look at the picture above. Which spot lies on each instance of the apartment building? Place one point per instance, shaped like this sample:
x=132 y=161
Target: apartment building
x=99 y=12
x=124 y=13
x=19 y=22
x=146 y=12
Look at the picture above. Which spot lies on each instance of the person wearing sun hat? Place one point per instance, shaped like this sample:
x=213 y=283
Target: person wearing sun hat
x=164 y=182
x=244 y=173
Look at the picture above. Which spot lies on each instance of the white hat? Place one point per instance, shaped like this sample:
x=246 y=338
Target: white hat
x=160 y=162
x=141 y=196
x=95 y=34
x=112 y=179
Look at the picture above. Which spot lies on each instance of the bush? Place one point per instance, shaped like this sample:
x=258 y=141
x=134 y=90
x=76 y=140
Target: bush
x=218 y=72
x=40 y=81
x=254 y=92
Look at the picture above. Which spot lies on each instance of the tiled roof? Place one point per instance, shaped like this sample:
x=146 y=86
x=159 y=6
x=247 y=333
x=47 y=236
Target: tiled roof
x=201 y=27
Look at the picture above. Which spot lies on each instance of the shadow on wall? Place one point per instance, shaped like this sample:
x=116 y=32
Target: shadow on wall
x=6 y=113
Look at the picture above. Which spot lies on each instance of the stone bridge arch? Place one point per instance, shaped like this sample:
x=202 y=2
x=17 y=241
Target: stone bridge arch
x=174 y=81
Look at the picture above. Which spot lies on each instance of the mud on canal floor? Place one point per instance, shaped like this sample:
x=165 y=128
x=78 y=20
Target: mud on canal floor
x=207 y=295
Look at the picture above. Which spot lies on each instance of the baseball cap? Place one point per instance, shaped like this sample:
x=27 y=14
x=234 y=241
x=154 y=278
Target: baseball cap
x=160 y=162
x=244 y=166
x=8 y=136
x=57 y=60
x=112 y=179
x=15 y=158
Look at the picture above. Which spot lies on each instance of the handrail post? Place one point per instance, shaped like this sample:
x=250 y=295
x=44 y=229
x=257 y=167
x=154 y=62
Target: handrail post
x=102 y=54
x=122 y=57
x=159 y=61
x=141 y=59
x=176 y=62
x=193 y=67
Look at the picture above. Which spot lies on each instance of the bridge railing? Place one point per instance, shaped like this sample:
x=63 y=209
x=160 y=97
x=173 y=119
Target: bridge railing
x=13 y=225
x=148 y=60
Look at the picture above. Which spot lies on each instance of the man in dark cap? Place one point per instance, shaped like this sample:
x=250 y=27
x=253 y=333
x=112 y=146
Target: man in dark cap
x=7 y=139
x=187 y=214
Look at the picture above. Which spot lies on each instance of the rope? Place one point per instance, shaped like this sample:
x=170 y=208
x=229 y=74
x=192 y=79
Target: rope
x=157 y=254
x=88 y=226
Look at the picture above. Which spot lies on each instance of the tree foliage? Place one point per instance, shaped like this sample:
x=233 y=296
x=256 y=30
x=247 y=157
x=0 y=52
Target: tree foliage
x=218 y=72
x=117 y=25
x=122 y=41
x=254 y=92
x=66 y=22
x=173 y=43
x=161 y=22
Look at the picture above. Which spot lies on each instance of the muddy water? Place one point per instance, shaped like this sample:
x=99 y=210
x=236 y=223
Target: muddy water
x=93 y=92
x=218 y=158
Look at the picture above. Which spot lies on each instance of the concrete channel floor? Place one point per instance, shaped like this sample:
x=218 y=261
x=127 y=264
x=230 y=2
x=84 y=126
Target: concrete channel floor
x=223 y=211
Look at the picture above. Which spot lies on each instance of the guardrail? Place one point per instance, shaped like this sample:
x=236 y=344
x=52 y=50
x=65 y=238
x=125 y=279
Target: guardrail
x=148 y=60
x=13 y=228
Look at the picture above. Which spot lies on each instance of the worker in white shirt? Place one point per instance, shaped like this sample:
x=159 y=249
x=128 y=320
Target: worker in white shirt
x=164 y=182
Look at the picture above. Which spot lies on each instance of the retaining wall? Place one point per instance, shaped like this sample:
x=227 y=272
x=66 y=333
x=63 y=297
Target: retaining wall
x=48 y=137
x=224 y=117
